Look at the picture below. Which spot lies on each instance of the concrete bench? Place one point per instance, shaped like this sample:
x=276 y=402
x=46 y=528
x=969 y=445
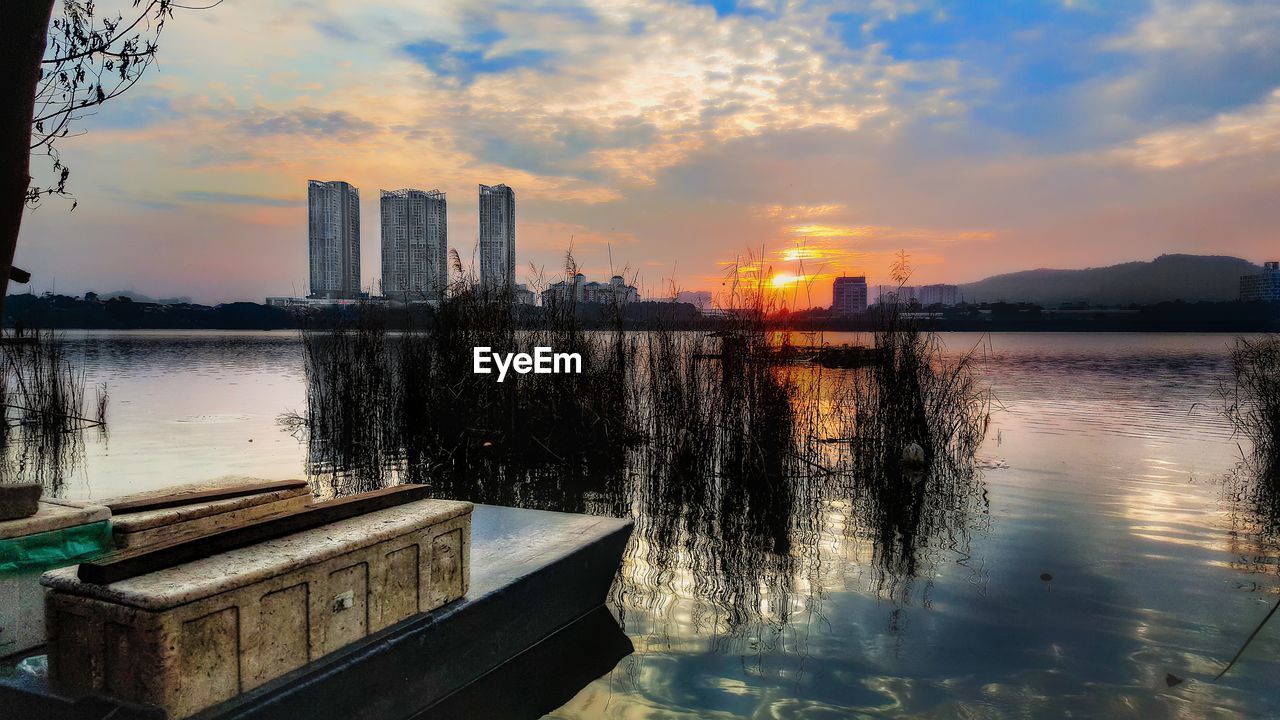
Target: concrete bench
x=187 y=637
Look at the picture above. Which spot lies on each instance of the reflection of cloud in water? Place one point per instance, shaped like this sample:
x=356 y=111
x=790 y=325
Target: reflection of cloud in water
x=820 y=595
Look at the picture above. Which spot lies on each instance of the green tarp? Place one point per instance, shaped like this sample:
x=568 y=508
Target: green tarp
x=56 y=548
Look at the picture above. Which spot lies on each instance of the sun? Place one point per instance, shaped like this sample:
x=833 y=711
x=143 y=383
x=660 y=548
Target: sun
x=783 y=280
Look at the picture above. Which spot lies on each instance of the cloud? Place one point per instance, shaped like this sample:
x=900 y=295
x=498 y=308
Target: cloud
x=677 y=135
x=1251 y=132
x=306 y=121
x=227 y=198
x=1194 y=59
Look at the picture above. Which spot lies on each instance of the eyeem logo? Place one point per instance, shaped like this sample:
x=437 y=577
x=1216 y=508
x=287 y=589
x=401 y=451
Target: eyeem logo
x=542 y=362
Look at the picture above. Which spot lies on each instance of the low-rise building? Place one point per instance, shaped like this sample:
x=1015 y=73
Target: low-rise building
x=924 y=295
x=1263 y=287
x=849 y=295
x=938 y=295
x=578 y=290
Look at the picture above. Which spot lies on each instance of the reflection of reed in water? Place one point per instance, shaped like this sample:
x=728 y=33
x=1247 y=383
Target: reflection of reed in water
x=718 y=491
x=728 y=465
x=42 y=396
x=386 y=407
x=916 y=420
x=1252 y=400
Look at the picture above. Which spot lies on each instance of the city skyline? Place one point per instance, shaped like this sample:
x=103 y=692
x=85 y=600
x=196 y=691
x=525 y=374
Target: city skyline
x=670 y=138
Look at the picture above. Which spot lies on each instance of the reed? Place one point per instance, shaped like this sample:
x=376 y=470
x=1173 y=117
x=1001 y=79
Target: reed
x=1252 y=405
x=43 y=397
x=722 y=454
x=913 y=423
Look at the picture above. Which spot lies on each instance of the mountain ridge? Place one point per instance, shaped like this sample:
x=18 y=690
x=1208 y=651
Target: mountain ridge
x=1169 y=277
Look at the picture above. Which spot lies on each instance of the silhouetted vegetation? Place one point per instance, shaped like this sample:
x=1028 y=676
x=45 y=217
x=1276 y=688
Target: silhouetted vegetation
x=731 y=458
x=917 y=420
x=43 y=399
x=1253 y=407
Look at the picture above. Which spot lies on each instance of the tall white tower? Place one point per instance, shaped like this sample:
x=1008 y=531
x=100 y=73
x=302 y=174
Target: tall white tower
x=497 y=238
x=414 y=244
x=333 y=238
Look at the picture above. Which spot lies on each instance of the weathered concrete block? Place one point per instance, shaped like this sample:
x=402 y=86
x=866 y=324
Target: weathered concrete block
x=167 y=525
x=19 y=501
x=188 y=637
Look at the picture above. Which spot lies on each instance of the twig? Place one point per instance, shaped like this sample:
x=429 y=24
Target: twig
x=1252 y=635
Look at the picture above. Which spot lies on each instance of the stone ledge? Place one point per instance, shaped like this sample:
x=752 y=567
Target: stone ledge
x=53 y=515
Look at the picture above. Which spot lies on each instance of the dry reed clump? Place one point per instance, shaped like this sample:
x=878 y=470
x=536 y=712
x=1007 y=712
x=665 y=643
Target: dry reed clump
x=1252 y=405
x=722 y=454
x=385 y=407
x=914 y=421
x=42 y=393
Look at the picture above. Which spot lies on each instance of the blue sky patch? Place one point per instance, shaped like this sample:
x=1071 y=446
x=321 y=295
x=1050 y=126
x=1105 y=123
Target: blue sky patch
x=475 y=58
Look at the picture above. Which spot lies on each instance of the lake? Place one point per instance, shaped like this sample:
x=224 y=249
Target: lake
x=1104 y=552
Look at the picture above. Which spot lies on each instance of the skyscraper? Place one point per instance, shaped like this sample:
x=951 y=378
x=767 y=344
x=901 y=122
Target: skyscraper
x=497 y=237
x=333 y=239
x=414 y=243
x=849 y=295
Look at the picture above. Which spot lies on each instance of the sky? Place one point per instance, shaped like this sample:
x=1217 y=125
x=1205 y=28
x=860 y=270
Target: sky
x=673 y=142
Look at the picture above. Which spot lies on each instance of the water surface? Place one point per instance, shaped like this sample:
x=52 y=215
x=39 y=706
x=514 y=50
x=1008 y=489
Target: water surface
x=1104 y=470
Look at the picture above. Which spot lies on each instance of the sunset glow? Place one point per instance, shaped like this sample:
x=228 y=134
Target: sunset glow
x=668 y=138
x=785 y=280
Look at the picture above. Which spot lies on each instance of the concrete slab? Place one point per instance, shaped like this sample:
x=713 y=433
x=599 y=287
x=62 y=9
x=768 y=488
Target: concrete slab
x=28 y=547
x=204 y=578
x=53 y=516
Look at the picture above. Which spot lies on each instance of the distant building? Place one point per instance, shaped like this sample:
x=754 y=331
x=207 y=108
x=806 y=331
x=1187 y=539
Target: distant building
x=300 y=303
x=497 y=237
x=849 y=295
x=525 y=296
x=700 y=299
x=578 y=290
x=333 y=239
x=938 y=295
x=1263 y=287
x=897 y=294
x=414 y=244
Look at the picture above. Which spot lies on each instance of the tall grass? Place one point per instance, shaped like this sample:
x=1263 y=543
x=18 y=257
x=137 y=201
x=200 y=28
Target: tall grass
x=407 y=407
x=1252 y=404
x=43 y=397
x=917 y=418
x=729 y=461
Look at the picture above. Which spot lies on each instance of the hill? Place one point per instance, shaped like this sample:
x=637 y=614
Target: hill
x=1190 y=278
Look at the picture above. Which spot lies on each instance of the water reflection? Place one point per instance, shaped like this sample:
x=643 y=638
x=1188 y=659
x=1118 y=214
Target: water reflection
x=1106 y=463
x=735 y=471
x=43 y=413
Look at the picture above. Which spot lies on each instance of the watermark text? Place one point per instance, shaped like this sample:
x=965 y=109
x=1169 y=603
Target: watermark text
x=543 y=361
